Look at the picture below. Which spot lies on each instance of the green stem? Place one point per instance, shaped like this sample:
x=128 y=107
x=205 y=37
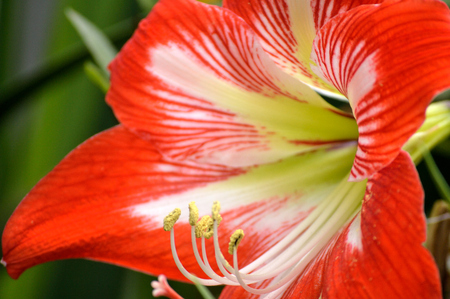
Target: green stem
x=206 y=294
x=437 y=176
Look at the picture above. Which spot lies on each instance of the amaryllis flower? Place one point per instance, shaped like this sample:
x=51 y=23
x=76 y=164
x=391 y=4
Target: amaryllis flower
x=219 y=106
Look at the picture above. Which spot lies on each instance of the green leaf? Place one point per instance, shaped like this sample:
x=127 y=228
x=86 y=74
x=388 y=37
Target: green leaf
x=96 y=75
x=98 y=44
x=146 y=5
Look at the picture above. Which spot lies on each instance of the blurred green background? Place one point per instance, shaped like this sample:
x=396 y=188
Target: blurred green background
x=47 y=107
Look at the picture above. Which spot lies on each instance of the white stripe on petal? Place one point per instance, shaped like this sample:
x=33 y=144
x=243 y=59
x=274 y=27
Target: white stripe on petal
x=354 y=237
x=281 y=191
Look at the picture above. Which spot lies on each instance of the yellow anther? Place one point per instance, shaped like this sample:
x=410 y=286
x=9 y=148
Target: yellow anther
x=204 y=228
x=200 y=227
x=215 y=212
x=210 y=229
x=235 y=239
x=193 y=213
x=169 y=220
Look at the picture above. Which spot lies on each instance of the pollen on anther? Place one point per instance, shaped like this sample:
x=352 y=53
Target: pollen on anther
x=169 y=220
x=193 y=213
x=215 y=212
x=235 y=239
x=204 y=228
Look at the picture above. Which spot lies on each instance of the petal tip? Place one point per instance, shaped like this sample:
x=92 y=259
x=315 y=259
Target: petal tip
x=11 y=258
x=13 y=272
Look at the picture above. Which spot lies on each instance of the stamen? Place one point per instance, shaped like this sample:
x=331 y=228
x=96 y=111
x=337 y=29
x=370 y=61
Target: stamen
x=215 y=212
x=206 y=282
x=235 y=239
x=162 y=288
x=169 y=220
x=220 y=259
x=203 y=228
x=206 y=224
x=193 y=213
x=205 y=265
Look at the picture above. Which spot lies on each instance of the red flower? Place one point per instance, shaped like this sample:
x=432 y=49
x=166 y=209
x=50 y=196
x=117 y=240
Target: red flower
x=215 y=104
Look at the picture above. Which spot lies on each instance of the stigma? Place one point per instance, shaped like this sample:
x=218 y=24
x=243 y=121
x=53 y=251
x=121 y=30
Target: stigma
x=274 y=270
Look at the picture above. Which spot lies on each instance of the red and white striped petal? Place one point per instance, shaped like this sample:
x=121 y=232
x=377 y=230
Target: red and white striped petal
x=286 y=29
x=83 y=207
x=380 y=255
x=196 y=82
x=107 y=199
x=267 y=202
x=390 y=60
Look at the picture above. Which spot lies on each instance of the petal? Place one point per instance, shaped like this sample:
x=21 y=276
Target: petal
x=267 y=202
x=380 y=255
x=196 y=82
x=287 y=29
x=390 y=60
x=310 y=283
x=81 y=209
x=107 y=199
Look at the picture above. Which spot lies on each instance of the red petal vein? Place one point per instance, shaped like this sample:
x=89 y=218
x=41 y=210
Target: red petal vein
x=390 y=60
x=82 y=208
